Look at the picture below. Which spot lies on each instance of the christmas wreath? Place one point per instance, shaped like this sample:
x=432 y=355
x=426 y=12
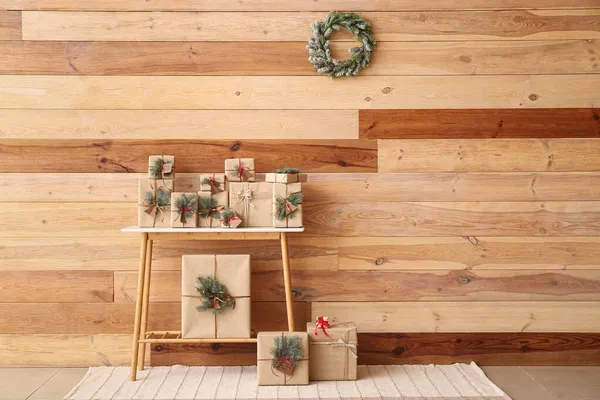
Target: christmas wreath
x=320 y=53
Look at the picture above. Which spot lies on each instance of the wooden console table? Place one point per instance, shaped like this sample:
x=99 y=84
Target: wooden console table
x=148 y=235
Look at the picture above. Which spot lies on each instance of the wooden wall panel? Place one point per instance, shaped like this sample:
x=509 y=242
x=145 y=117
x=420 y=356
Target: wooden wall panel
x=301 y=5
x=441 y=285
x=56 y=286
x=390 y=26
x=298 y=92
x=187 y=124
x=290 y=58
x=491 y=155
x=392 y=187
x=476 y=123
x=10 y=25
x=498 y=316
x=105 y=155
x=469 y=253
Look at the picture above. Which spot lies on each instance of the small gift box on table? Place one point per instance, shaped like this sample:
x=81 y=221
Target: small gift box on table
x=154 y=205
x=215 y=296
x=253 y=202
x=283 y=175
x=212 y=200
x=287 y=205
x=239 y=169
x=161 y=167
x=333 y=350
x=282 y=358
x=230 y=219
x=184 y=210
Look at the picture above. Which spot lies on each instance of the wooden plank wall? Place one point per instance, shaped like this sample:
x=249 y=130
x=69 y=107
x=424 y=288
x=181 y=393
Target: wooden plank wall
x=453 y=203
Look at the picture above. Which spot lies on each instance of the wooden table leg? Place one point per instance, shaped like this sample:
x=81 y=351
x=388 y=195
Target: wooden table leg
x=145 y=300
x=138 y=307
x=287 y=281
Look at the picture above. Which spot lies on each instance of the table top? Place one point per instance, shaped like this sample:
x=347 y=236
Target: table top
x=137 y=229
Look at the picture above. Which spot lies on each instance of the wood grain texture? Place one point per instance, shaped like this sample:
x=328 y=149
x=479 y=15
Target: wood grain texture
x=85 y=155
x=56 y=286
x=273 y=26
x=290 y=58
x=188 y=124
x=392 y=187
x=121 y=252
x=468 y=253
x=488 y=155
x=69 y=350
x=480 y=124
x=10 y=25
x=415 y=285
x=483 y=348
x=453 y=219
x=300 y=5
x=481 y=316
x=298 y=92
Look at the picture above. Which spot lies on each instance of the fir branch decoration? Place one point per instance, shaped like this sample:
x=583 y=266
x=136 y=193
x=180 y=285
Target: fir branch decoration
x=287 y=351
x=227 y=215
x=208 y=207
x=215 y=185
x=158 y=202
x=156 y=169
x=320 y=52
x=286 y=207
x=287 y=170
x=214 y=295
x=186 y=206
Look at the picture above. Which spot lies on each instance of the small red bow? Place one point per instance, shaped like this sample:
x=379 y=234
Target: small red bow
x=322 y=323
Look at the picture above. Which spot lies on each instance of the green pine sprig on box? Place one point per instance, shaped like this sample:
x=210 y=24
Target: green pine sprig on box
x=208 y=207
x=287 y=170
x=214 y=295
x=281 y=205
x=157 y=168
x=287 y=352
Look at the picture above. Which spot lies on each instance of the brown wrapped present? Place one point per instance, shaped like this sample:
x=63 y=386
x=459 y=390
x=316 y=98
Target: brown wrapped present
x=184 y=210
x=214 y=183
x=287 y=205
x=215 y=296
x=253 y=202
x=154 y=205
x=333 y=350
x=210 y=208
x=239 y=169
x=161 y=167
x=230 y=219
x=282 y=358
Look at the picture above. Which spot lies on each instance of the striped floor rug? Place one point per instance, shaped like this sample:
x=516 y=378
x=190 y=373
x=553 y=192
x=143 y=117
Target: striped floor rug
x=408 y=382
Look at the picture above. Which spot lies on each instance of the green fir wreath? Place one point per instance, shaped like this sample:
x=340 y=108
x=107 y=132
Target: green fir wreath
x=320 y=52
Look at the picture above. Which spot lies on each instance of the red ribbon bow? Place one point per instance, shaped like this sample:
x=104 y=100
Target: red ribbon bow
x=322 y=323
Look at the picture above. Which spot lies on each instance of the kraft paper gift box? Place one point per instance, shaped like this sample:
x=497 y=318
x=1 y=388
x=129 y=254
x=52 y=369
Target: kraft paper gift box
x=253 y=202
x=281 y=178
x=239 y=169
x=161 y=167
x=184 y=210
x=275 y=360
x=212 y=200
x=230 y=219
x=154 y=205
x=333 y=357
x=233 y=271
x=287 y=205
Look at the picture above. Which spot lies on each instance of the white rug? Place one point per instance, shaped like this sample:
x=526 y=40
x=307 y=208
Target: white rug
x=408 y=382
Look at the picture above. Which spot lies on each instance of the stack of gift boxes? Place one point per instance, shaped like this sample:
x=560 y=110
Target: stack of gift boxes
x=226 y=200
x=216 y=304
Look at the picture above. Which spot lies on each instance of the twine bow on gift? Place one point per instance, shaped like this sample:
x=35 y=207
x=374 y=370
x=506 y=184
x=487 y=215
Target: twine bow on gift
x=245 y=196
x=215 y=185
x=351 y=346
x=321 y=322
x=161 y=168
x=184 y=207
x=208 y=208
x=240 y=170
x=155 y=203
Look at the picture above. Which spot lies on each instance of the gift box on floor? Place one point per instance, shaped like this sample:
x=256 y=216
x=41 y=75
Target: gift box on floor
x=239 y=169
x=333 y=350
x=253 y=202
x=215 y=296
x=154 y=204
x=287 y=205
x=282 y=358
x=184 y=210
x=161 y=167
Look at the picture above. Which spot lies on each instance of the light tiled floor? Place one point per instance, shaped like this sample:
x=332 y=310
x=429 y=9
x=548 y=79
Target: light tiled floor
x=521 y=383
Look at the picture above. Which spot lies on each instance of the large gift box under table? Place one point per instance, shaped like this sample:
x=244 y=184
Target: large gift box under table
x=333 y=357
x=208 y=316
x=154 y=204
x=282 y=358
x=253 y=202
